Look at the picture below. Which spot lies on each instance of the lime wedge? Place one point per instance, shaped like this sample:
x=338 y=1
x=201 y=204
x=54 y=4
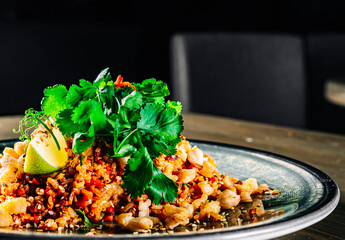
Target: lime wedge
x=43 y=156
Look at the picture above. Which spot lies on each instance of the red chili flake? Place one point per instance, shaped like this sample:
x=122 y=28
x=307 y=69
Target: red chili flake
x=20 y=191
x=191 y=166
x=183 y=195
x=109 y=218
x=63 y=203
x=66 y=149
x=252 y=211
x=213 y=179
x=111 y=209
x=34 y=181
x=69 y=144
x=97 y=155
x=196 y=196
x=255 y=217
x=108 y=167
x=92 y=181
x=48 y=191
x=37 y=217
x=172 y=157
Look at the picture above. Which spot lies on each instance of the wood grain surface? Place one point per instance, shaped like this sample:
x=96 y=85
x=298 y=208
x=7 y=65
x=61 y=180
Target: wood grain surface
x=322 y=150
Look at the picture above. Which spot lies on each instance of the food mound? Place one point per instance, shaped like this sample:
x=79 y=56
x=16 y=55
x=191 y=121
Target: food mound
x=112 y=151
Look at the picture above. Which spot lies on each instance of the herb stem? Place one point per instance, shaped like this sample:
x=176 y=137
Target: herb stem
x=124 y=140
x=139 y=139
x=50 y=131
x=118 y=105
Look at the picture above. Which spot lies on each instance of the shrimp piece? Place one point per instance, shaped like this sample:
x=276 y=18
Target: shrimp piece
x=175 y=220
x=134 y=224
x=196 y=156
x=205 y=188
x=227 y=182
x=139 y=224
x=186 y=175
x=228 y=199
x=247 y=188
x=208 y=209
x=176 y=216
x=5 y=218
x=208 y=169
x=143 y=208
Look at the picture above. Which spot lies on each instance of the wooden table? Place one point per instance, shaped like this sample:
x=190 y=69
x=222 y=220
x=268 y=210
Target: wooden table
x=322 y=150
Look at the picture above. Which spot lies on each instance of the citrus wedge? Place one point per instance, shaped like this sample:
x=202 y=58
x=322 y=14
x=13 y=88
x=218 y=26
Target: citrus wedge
x=43 y=155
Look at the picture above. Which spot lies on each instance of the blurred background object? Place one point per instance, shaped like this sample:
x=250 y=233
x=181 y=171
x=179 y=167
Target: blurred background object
x=44 y=43
x=258 y=77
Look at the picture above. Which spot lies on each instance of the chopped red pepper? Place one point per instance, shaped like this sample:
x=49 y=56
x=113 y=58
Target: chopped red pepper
x=109 y=218
x=34 y=181
x=111 y=209
x=20 y=191
x=119 y=83
x=99 y=183
x=87 y=194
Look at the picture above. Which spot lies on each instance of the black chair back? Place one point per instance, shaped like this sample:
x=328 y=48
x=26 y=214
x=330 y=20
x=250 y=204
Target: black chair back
x=259 y=77
x=326 y=61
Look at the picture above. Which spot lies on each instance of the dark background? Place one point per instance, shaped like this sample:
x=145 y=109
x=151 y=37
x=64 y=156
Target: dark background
x=47 y=42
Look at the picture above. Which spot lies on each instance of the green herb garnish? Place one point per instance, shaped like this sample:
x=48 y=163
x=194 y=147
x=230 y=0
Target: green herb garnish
x=31 y=120
x=86 y=220
x=133 y=117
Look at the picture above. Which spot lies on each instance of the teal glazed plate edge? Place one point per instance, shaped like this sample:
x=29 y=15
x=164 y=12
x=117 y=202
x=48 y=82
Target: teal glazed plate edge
x=307 y=195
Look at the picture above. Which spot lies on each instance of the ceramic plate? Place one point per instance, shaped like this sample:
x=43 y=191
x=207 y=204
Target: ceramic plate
x=307 y=195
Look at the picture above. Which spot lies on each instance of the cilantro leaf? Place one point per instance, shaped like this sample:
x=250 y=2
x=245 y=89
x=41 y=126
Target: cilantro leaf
x=169 y=122
x=149 y=115
x=161 y=144
x=90 y=111
x=54 y=100
x=77 y=94
x=138 y=173
x=133 y=101
x=66 y=125
x=107 y=96
x=176 y=105
x=81 y=141
x=125 y=150
x=153 y=90
x=86 y=220
x=102 y=77
x=161 y=188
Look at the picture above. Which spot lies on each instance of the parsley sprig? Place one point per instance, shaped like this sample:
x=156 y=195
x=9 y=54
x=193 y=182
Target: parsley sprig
x=135 y=118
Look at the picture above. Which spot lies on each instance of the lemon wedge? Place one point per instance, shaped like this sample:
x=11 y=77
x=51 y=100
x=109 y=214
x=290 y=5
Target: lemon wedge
x=43 y=155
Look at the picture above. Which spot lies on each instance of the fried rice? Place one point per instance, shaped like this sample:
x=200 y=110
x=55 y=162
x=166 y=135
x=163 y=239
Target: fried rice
x=93 y=183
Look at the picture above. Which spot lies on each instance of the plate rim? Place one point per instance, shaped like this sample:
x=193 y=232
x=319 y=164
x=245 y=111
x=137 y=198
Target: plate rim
x=318 y=211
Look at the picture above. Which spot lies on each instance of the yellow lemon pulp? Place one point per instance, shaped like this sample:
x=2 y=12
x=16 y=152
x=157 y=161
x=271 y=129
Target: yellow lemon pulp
x=44 y=157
